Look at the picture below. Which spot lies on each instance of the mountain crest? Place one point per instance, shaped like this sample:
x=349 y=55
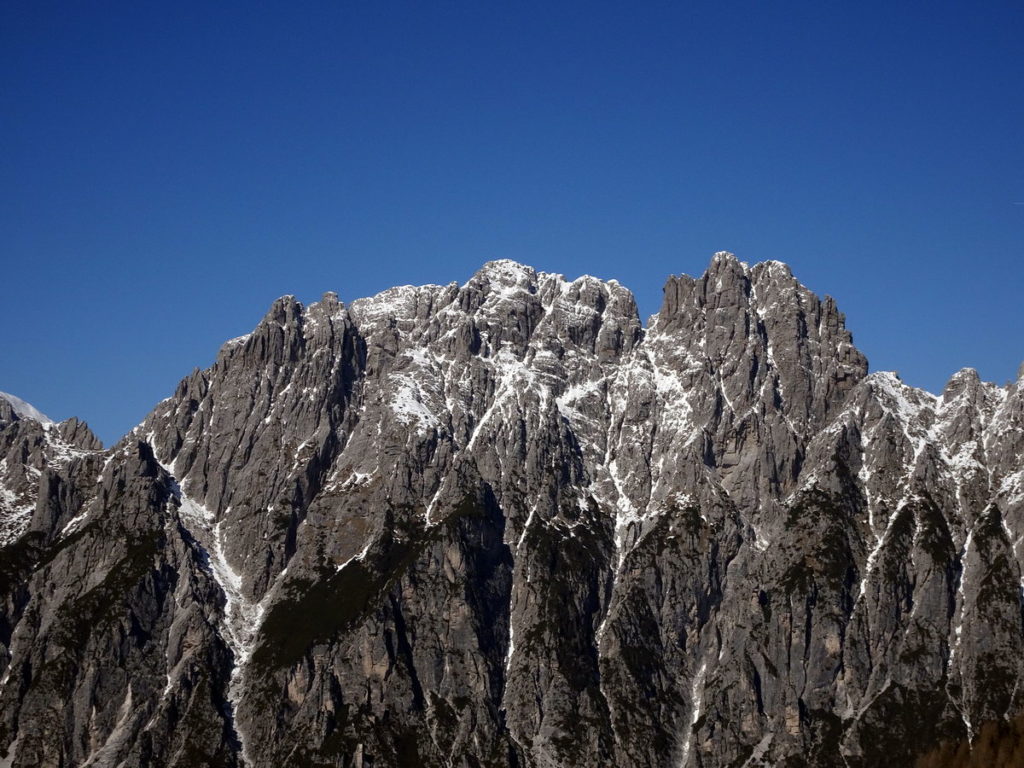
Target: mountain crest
x=500 y=523
x=23 y=410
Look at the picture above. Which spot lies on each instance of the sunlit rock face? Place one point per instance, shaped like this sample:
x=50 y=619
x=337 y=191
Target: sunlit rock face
x=507 y=524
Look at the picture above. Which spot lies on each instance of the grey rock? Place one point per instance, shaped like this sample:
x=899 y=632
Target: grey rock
x=505 y=524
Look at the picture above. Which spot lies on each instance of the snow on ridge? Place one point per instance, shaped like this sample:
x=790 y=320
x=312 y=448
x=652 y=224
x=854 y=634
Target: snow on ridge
x=236 y=341
x=773 y=265
x=507 y=270
x=728 y=256
x=892 y=379
x=907 y=404
x=508 y=278
x=393 y=302
x=917 y=412
x=17 y=506
x=26 y=410
x=926 y=412
x=934 y=424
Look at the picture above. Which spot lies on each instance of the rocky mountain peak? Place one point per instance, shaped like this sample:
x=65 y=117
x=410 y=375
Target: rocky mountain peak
x=16 y=407
x=500 y=523
x=963 y=383
x=506 y=273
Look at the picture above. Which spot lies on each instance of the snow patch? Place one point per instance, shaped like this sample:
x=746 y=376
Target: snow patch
x=408 y=406
x=1012 y=488
x=696 y=694
x=26 y=410
x=360 y=556
x=242 y=617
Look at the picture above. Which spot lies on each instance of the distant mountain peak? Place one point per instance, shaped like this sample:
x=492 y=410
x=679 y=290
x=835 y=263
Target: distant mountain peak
x=26 y=410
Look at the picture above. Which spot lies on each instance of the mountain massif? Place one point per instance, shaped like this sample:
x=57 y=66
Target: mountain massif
x=505 y=524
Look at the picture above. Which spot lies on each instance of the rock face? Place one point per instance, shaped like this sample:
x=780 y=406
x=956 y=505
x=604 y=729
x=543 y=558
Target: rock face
x=504 y=524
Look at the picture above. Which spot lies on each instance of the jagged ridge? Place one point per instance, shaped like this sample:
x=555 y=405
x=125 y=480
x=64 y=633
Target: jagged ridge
x=505 y=524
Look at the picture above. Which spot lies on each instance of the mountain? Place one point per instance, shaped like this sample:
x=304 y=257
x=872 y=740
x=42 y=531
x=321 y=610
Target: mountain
x=505 y=524
x=25 y=410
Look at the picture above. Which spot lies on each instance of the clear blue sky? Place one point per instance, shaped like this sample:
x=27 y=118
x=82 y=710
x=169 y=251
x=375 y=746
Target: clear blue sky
x=168 y=169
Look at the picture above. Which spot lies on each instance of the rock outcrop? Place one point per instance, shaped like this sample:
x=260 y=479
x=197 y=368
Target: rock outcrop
x=505 y=524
